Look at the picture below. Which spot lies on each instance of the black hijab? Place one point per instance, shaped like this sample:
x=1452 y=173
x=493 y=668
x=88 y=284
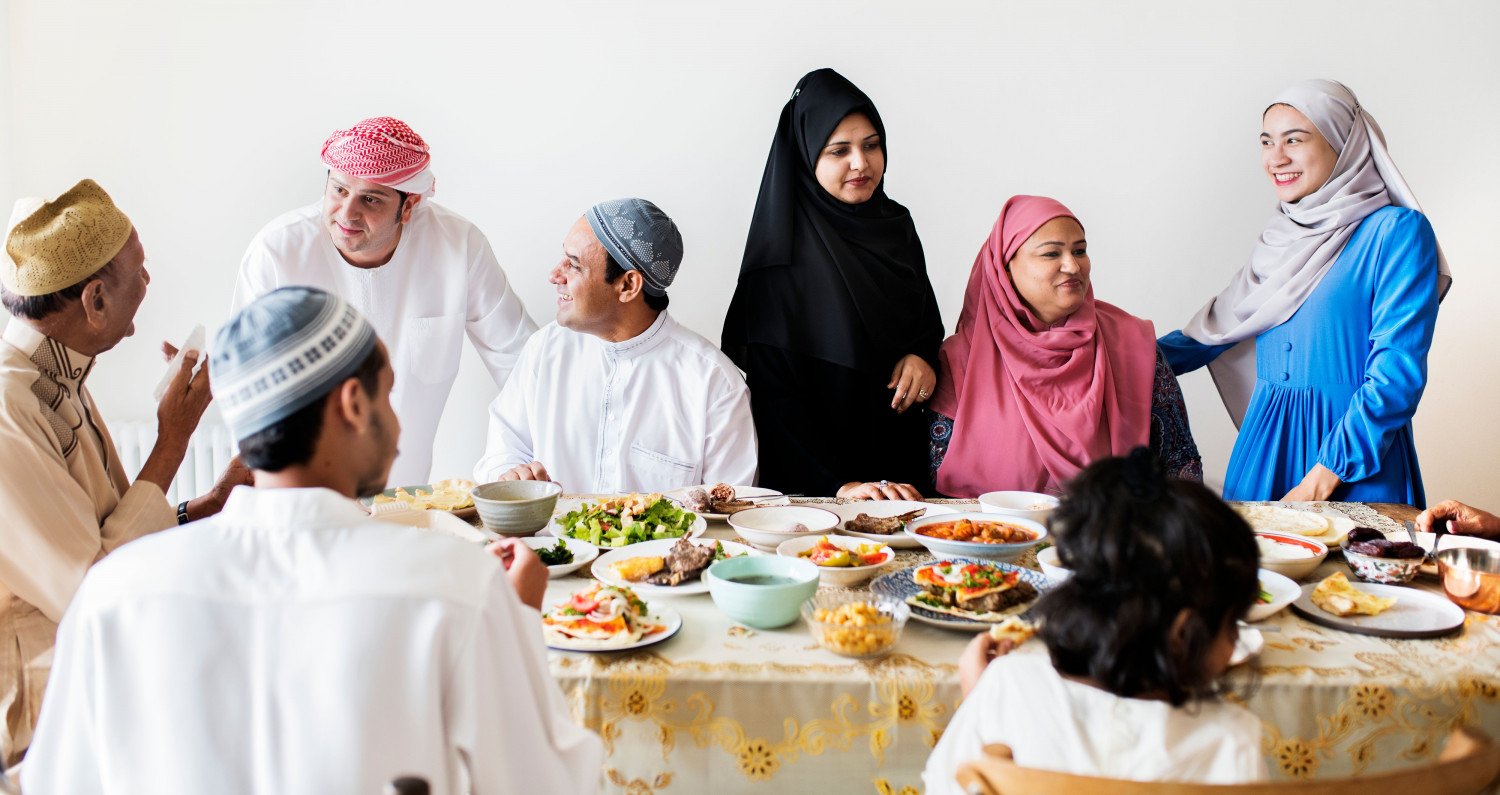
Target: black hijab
x=845 y=283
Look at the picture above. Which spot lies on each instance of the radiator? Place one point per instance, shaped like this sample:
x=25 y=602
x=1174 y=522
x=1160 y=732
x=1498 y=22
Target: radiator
x=207 y=454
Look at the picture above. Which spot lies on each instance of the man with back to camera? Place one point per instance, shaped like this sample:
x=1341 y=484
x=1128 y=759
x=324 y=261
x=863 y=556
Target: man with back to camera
x=421 y=273
x=616 y=395
x=293 y=643
x=74 y=276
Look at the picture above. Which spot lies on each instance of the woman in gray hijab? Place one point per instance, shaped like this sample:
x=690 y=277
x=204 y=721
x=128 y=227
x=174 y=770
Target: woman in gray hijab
x=1319 y=343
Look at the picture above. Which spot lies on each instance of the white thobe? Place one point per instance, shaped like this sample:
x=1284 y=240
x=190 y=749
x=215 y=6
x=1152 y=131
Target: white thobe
x=1053 y=723
x=67 y=503
x=655 y=412
x=292 y=644
x=442 y=280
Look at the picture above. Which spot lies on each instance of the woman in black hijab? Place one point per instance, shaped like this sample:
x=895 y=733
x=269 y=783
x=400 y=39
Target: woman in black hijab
x=833 y=319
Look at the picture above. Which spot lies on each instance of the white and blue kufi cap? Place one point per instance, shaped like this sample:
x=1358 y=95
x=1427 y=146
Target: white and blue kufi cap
x=287 y=349
x=640 y=237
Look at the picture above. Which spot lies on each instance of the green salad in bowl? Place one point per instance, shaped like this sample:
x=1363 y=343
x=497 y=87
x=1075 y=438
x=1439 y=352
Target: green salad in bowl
x=629 y=519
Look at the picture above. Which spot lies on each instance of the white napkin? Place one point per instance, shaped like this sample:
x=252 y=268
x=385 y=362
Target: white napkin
x=196 y=341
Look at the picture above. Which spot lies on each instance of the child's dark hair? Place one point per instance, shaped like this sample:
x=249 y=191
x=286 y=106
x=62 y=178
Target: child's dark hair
x=1142 y=549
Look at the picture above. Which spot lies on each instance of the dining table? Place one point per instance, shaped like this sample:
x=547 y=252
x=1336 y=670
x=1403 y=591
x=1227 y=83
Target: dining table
x=719 y=707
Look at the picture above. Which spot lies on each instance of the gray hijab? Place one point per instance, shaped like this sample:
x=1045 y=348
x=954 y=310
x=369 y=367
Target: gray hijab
x=1304 y=238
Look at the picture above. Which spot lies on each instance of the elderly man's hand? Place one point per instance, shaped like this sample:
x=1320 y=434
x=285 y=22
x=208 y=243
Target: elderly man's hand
x=527 y=573
x=184 y=402
x=531 y=471
x=1462 y=519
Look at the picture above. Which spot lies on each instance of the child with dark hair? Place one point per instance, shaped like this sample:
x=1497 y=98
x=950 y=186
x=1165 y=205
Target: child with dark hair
x=1138 y=641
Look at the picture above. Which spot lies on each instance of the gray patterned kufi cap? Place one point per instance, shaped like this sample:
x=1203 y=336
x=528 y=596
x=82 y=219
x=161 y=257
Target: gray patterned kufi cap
x=640 y=237
x=287 y=349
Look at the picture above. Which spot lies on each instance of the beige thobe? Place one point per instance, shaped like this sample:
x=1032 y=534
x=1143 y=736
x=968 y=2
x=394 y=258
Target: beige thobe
x=66 y=504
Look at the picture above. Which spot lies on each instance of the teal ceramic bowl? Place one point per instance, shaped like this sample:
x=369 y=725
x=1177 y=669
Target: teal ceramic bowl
x=762 y=591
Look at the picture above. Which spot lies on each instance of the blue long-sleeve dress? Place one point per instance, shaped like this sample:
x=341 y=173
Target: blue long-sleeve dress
x=1338 y=382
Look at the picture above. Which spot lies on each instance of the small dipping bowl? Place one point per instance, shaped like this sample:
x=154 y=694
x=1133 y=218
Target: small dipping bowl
x=1021 y=504
x=861 y=642
x=516 y=507
x=761 y=591
x=1386 y=571
x=767 y=527
x=1471 y=578
x=1052 y=565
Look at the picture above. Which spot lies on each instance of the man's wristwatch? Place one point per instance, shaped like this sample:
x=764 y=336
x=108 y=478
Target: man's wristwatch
x=182 y=515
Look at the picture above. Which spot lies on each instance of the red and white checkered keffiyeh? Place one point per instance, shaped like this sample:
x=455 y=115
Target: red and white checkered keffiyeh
x=382 y=150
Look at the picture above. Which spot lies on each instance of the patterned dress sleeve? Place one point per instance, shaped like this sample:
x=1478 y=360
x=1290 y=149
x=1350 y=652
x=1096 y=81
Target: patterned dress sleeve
x=939 y=434
x=1171 y=438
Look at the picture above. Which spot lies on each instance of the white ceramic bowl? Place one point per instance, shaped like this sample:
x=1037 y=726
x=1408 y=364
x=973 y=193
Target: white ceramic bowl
x=1052 y=565
x=1294 y=568
x=766 y=527
x=844 y=576
x=975 y=549
x=1019 y=504
x=583 y=554
x=1283 y=592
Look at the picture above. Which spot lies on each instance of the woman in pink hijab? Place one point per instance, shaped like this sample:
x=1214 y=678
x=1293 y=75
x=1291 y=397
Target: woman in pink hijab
x=1040 y=379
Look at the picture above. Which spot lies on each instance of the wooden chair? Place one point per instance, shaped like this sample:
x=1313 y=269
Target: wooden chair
x=1470 y=764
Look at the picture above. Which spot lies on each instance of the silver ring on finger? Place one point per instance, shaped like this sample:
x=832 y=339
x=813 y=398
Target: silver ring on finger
x=884 y=483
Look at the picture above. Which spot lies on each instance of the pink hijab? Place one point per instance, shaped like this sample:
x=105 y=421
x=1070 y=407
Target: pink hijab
x=1032 y=405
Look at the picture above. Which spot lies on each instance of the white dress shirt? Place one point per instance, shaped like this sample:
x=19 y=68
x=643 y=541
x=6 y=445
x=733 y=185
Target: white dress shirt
x=292 y=644
x=67 y=503
x=442 y=280
x=655 y=412
x=1053 y=723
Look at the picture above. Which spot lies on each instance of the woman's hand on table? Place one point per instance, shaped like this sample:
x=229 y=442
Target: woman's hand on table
x=1462 y=519
x=531 y=471
x=914 y=380
x=1318 y=484
x=527 y=573
x=977 y=656
x=878 y=490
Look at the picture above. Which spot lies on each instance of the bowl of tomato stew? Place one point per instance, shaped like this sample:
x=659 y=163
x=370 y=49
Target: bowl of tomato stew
x=976 y=535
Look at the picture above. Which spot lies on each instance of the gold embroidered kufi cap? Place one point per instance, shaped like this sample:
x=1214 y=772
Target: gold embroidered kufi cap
x=57 y=244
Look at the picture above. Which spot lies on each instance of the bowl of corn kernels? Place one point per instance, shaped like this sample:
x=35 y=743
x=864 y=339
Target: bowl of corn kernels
x=855 y=624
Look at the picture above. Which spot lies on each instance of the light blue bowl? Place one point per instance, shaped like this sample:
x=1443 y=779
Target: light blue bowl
x=775 y=601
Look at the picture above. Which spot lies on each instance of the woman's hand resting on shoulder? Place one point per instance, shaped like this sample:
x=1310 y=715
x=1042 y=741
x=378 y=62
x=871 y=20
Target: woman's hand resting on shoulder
x=914 y=381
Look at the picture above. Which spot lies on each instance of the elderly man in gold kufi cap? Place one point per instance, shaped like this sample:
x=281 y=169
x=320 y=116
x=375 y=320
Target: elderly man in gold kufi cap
x=74 y=275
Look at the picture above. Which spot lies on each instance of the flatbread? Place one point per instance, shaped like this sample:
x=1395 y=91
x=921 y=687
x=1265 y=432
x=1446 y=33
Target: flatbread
x=1276 y=519
x=987 y=618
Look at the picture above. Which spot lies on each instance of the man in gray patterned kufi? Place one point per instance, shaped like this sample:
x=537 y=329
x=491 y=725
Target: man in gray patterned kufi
x=639 y=236
x=285 y=350
x=616 y=395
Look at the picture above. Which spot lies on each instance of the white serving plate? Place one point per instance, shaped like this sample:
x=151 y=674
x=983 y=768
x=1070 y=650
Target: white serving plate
x=1416 y=614
x=697 y=528
x=669 y=619
x=1283 y=592
x=941 y=548
x=1335 y=536
x=745 y=492
x=896 y=540
x=583 y=553
x=604 y=571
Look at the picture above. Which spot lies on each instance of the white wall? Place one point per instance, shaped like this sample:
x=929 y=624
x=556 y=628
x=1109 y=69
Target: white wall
x=204 y=120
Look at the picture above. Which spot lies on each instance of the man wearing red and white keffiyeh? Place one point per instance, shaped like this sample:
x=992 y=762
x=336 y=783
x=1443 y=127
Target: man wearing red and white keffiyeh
x=423 y=275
